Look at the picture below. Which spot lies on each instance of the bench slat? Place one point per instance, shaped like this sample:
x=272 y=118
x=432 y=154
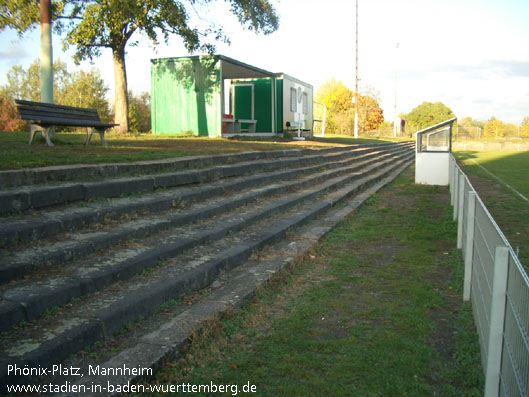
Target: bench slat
x=58 y=113
x=49 y=106
x=59 y=118
x=72 y=123
x=36 y=113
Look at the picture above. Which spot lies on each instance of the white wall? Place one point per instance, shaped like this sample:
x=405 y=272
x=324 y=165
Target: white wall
x=289 y=83
x=432 y=168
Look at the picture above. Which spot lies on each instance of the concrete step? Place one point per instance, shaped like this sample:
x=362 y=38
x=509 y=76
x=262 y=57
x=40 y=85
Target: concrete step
x=18 y=262
x=30 y=298
x=23 y=198
x=51 y=174
x=45 y=223
x=92 y=297
x=164 y=335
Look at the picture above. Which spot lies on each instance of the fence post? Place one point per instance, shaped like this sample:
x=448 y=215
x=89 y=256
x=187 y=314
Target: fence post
x=452 y=180
x=469 y=244
x=497 y=320
x=456 y=192
x=460 y=210
x=450 y=175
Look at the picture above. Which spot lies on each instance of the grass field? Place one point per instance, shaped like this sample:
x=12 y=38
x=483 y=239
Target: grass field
x=70 y=149
x=490 y=173
x=376 y=309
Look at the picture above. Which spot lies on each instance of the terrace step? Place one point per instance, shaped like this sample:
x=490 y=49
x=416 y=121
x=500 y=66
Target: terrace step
x=42 y=175
x=45 y=223
x=129 y=268
x=24 y=197
x=19 y=262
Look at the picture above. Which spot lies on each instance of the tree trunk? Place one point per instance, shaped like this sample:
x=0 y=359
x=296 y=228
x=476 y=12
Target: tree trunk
x=121 y=102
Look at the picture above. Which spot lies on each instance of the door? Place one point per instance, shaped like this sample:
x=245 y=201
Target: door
x=243 y=100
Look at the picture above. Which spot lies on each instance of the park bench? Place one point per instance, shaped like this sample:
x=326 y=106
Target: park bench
x=44 y=116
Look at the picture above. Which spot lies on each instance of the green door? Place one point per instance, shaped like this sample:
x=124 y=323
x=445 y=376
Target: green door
x=243 y=102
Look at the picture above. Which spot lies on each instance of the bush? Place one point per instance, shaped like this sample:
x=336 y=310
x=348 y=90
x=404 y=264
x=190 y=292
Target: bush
x=9 y=118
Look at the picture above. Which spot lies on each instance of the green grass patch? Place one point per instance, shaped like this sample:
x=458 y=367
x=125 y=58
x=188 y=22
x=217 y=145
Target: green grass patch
x=508 y=209
x=511 y=167
x=376 y=309
x=70 y=149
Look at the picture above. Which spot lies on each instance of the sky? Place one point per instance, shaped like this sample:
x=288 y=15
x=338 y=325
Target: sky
x=471 y=55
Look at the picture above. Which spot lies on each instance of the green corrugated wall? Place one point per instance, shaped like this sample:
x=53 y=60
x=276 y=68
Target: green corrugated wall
x=185 y=96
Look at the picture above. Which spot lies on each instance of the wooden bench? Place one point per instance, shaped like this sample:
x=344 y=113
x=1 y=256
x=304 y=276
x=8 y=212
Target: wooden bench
x=44 y=116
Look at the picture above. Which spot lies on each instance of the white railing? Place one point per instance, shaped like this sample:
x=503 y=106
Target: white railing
x=498 y=287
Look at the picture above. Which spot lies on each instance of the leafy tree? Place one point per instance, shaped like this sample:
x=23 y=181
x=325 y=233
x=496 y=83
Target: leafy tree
x=370 y=115
x=524 y=128
x=92 y=25
x=140 y=112
x=80 y=89
x=494 y=128
x=468 y=127
x=86 y=89
x=340 y=108
x=428 y=114
x=338 y=99
x=25 y=84
x=510 y=130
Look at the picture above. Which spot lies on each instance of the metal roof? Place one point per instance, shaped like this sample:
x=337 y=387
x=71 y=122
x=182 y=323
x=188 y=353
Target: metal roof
x=231 y=68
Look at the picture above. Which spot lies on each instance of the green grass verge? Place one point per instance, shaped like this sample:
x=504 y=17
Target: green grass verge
x=375 y=310
x=511 y=167
x=70 y=149
x=509 y=210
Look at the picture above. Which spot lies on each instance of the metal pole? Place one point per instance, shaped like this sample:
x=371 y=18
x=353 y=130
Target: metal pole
x=356 y=78
x=46 y=56
x=395 y=109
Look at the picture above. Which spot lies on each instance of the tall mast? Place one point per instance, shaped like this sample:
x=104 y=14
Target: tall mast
x=356 y=78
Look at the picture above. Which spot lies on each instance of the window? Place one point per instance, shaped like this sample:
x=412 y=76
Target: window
x=293 y=100
x=305 y=103
x=434 y=140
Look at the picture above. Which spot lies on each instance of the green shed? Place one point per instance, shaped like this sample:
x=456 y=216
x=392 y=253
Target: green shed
x=215 y=96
